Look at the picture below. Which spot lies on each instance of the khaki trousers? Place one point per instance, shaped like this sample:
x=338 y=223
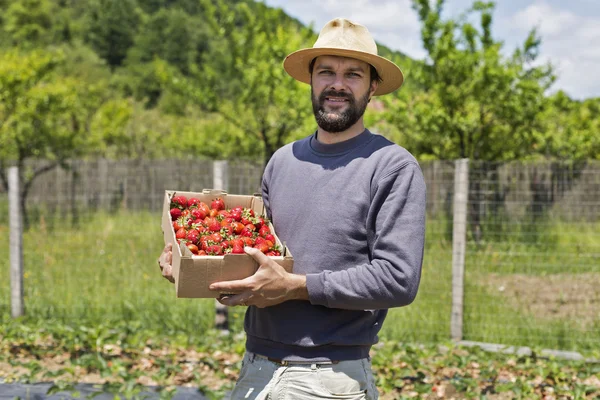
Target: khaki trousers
x=261 y=379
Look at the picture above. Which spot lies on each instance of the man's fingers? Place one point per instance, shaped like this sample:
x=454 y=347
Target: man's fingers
x=234 y=300
x=230 y=286
x=260 y=257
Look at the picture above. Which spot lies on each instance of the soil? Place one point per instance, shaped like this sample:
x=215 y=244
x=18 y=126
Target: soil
x=573 y=297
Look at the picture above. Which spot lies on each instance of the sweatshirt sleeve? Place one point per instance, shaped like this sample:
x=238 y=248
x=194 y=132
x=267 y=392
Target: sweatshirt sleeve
x=396 y=239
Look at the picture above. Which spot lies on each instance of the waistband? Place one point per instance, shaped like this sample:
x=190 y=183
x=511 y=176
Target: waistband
x=284 y=363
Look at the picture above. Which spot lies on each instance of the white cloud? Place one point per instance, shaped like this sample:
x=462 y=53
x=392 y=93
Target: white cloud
x=569 y=43
x=570 y=30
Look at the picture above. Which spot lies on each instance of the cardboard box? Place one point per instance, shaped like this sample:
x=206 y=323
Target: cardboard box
x=193 y=274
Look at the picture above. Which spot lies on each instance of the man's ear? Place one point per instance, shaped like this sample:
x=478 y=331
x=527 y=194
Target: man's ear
x=374 y=86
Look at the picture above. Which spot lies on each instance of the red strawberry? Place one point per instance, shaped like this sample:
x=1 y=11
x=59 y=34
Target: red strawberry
x=262 y=247
x=260 y=222
x=237 y=250
x=270 y=237
x=181 y=233
x=215 y=250
x=237 y=227
x=193 y=248
x=175 y=213
x=218 y=204
x=264 y=230
x=198 y=213
x=193 y=202
x=193 y=236
x=273 y=253
x=212 y=224
x=236 y=215
x=216 y=238
x=179 y=201
x=246 y=232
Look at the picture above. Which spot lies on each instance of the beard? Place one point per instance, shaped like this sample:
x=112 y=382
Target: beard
x=338 y=121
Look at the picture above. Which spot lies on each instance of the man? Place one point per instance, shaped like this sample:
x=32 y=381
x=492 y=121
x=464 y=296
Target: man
x=350 y=205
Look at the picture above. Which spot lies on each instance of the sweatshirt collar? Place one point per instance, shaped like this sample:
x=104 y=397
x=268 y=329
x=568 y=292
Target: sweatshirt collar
x=341 y=147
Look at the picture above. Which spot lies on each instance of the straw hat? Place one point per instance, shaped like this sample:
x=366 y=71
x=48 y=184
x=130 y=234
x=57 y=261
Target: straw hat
x=341 y=37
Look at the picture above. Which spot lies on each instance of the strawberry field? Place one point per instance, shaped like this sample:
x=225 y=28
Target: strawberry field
x=98 y=310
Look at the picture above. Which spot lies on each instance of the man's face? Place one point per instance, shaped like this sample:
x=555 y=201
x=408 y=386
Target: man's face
x=340 y=91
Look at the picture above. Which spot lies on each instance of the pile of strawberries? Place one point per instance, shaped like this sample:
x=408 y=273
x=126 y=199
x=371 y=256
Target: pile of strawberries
x=216 y=231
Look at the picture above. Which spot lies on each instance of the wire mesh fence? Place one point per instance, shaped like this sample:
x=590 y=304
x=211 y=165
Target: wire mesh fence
x=532 y=261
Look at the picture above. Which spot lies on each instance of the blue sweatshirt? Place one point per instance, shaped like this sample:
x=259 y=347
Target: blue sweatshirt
x=353 y=216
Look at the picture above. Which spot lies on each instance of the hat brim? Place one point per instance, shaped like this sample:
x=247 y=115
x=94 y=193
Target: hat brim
x=296 y=65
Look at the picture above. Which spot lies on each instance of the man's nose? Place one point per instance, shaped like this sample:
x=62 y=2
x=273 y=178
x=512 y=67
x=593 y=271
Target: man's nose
x=338 y=82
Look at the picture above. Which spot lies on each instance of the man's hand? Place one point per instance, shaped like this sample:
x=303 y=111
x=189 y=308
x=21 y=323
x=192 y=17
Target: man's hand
x=270 y=285
x=164 y=262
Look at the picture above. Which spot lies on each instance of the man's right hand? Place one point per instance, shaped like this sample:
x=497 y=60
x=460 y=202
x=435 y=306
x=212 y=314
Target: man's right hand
x=164 y=262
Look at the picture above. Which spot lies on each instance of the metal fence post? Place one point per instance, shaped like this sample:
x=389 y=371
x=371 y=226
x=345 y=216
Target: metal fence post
x=220 y=181
x=459 y=238
x=16 y=243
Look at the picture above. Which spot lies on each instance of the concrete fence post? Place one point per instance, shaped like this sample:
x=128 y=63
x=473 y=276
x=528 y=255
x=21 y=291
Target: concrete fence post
x=459 y=239
x=221 y=181
x=16 y=243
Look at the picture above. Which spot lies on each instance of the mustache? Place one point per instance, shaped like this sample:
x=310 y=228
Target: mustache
x=334 y=93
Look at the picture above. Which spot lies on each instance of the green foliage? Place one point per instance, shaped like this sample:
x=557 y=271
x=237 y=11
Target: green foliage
x=476 y=103
x=571 y=129
x=172 y=35
x=244 y=82
x=42 y=115
x=28 y=22
x=111 y=28
x=184 y=61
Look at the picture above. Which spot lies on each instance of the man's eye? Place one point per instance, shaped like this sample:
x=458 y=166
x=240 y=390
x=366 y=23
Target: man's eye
x=354 y=75
x=325 y=73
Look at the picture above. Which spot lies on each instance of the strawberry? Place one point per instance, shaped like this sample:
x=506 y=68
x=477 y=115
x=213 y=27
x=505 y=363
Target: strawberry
x=193 y=202
x=193 y=248
x=175 y=213
x=215 y=250
x=212 y=224
x=263 y=247
x=260 y=222
x=216 y=238
x=264 y=231
x=236 y=214
x=246 y=232
x=192 y=236
x=273 y=253
x=270 y=237
x=198 y=213
x=179 y=201
x=218 y=204
x=181 y=233
x=237 y=227
x=237 y=250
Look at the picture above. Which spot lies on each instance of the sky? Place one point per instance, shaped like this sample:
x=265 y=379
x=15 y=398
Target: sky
x=569 y=29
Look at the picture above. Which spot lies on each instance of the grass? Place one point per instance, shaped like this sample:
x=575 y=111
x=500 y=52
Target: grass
x=104 y=271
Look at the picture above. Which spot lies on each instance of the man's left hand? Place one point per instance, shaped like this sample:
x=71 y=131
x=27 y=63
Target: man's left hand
x=270 y=285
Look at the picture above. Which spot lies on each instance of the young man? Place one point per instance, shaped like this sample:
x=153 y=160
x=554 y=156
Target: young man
x=350 y=205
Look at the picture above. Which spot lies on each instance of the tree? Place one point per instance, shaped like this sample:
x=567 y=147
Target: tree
x=42 y=116
x=476 y=103
x=28 y=22
x=243 y=79
x=111 y=28
x=172 y=35
x=571 y=129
